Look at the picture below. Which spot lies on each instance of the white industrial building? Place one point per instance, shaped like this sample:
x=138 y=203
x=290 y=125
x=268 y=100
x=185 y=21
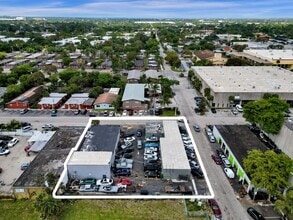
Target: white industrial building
x=95 y=155
x=244 y=83
x=89 y=164
x=279 y=57
x=174 y=160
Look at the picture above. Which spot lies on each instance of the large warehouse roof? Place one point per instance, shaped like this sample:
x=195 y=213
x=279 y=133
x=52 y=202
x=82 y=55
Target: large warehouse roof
x=101 y=138
x=246 y=79
x=240 y=140
x=172 y=149
x=271 y=54
x=90 y=158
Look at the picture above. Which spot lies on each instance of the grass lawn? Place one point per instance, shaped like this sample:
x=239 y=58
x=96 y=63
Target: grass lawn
x=125 y=209
x=19 y=209
x=101 y=209
x=168 y=113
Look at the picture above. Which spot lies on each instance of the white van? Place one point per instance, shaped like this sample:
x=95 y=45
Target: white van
x=27 y=128
x=139 y=144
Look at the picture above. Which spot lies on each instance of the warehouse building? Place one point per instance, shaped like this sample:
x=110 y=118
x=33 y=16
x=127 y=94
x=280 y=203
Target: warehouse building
x=244 y=83
x=174 y=160
x=96 y=153
x=283 y=58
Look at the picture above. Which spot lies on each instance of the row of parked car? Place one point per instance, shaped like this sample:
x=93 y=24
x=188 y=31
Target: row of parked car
x=190 y=152
x=7 y=142
x=152 y=161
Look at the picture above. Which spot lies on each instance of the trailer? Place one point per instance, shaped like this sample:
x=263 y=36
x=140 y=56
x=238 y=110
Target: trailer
x=108 y=189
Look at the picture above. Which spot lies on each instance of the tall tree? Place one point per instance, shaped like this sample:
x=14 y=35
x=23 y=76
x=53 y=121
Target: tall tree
x=268 y=113
x=285 y=203
x=268 y=170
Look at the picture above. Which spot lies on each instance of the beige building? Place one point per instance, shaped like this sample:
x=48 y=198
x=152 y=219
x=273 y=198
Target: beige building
x=244 y=83
x=283 y=58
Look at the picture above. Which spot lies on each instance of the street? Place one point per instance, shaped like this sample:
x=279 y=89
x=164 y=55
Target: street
x=231 y=208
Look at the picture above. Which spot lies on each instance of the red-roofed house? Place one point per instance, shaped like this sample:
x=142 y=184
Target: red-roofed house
x=105 y=101
x=26 y=99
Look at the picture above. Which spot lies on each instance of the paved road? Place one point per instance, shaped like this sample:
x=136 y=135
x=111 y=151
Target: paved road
x=224 y=193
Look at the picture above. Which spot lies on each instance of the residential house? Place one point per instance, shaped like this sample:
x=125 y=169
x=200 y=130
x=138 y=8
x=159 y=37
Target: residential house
x=26 y=99
x=54 y=101
x=133 y=76
x=79 y=101
x=134 y=97
x=105 y=101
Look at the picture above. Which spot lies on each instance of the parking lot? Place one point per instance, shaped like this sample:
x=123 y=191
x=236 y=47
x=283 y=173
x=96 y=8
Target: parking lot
x=11 y=164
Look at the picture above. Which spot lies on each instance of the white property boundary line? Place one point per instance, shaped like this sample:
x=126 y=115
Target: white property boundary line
x=127 y=119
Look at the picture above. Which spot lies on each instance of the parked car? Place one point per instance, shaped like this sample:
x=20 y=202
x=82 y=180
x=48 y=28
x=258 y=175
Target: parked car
x=127 y=155
x=13 y=142
x=87 y=181
x=190 y=155
x=139 y=144
x=255 y=214
x=150 y=157
x=225 y=161
x=229 y=173
x=239 y=108
x=187 y=142
x=197 y=172
x=141 y=112
x=124 y=165
x=151 y=174
x=122 y=172
x=76 y=112
x=24 y=166
x=147 y=151
x=127 y=144
x=208 y=131
x=129 y=139
x=93 y=114
x=215 y=208
x=48 y=126
x=54 y=112
x=26 y=128
x=4 y=151
x=87 y=188
x=196 y=128
x=138 y=133
x=186 y=139
x=213 y=110
x=23 y=111
x=193 y=164
x=234 y=111
x=104 y=182
x=151 y=166
x=84 y=111
x=217 y=159
x=212 y=139
x=124 y=181
x=124 y=113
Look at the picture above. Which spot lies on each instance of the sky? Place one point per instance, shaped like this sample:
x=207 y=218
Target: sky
x=192 y=9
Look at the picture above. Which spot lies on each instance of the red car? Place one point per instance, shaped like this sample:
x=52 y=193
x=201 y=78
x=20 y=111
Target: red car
x=124 y=181
x=216 y=209
x=217 y=159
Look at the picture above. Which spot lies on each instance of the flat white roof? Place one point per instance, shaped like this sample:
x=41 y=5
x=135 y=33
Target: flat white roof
x=49 y=100
x=263 y=79
x=41 y=136
x=172 y=148
x=271 y=54
x=90 y=158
